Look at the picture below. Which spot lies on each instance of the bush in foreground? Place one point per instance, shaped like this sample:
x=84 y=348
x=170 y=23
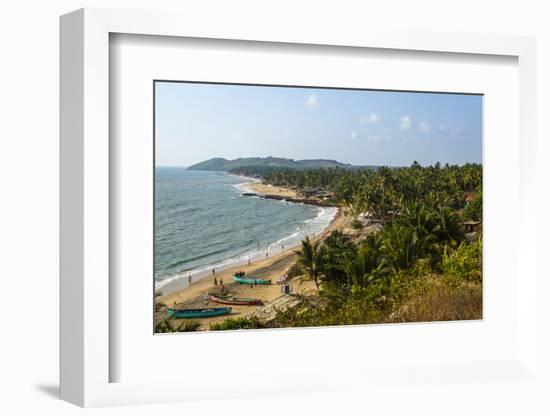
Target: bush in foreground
x=237 y=323
x=166 y=326
x=441 y=299
x=465 y=262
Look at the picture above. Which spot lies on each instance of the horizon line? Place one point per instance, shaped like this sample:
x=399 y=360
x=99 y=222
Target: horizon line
x=350 y=164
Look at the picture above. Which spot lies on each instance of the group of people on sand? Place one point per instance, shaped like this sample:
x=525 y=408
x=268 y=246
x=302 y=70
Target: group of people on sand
x=242 y=274
x=222 y=287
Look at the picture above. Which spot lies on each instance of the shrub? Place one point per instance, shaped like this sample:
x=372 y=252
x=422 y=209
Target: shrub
x=237 y=323
x=166 y=326
x=361 y=305
x=465 y=262
x=474 y=210
x=356 y=224
x=339 y=250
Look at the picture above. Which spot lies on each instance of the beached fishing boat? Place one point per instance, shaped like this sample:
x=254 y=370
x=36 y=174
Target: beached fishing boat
x=218 y=295
x=228 y=300
x=251 y=280
x=197 y=313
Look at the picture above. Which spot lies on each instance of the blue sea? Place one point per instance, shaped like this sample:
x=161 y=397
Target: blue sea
x=202 y=222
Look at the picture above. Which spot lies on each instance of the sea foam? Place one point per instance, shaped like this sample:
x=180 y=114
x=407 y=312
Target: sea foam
x=311 y=227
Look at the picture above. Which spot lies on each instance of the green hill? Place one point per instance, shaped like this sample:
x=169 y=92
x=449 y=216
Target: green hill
x=221 y=164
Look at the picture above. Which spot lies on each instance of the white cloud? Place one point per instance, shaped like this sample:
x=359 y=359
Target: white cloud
x=405 y=123
x=354 y=135
x=425 y=127
x=379 y=138
x=372 y=118
x=312 y=101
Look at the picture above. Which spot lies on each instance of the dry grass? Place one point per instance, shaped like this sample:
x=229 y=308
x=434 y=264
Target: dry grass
x=442 y=299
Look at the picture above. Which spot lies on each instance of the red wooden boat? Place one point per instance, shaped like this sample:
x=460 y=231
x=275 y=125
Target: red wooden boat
x=224 y=300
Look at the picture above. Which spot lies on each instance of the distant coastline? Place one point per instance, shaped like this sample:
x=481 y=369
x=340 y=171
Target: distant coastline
x=268 y=191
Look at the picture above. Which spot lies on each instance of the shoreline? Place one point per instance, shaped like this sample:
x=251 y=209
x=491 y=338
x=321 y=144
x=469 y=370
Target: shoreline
x=179 y=281
x=263 y=190
x=277 y=193
x=272 y=268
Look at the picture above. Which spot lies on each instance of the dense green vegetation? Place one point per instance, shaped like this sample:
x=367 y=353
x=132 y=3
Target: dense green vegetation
x=384 y=190
x=237 y=323
x=474 y=210
x=418 y=265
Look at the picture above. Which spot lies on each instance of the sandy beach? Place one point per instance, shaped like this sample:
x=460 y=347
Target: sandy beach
x=271 y=268
x=266 y=189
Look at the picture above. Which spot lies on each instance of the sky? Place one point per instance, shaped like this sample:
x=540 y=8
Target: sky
x=196 y=122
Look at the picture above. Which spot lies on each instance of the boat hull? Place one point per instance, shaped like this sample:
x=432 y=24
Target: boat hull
x=197 y=313
x=235 y=301
x=251 y=281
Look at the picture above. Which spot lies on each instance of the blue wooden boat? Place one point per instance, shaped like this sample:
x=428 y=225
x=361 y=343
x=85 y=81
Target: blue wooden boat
x=251 y=280
x=196 y=313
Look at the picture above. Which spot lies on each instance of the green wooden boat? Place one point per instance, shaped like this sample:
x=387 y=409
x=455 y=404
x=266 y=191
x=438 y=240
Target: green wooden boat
x=196 y=313
x=251 y=280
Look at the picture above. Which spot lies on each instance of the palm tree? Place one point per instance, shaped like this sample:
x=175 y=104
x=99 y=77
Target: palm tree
x=448 y=229
x=336 y=238
x=366 y=267
x=417 y=217
x=402 y=246
x=310 y=259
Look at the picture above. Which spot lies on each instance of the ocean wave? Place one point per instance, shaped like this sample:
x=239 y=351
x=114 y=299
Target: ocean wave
x=245 y=186
x=311 y=228
x=203 y=271
x=208 y=254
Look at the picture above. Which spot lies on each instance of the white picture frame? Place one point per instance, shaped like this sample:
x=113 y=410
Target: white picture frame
x=86 y=356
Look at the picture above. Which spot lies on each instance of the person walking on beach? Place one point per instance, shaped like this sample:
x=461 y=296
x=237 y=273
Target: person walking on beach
x=189 y=280
x=215 y=282
x=282 y=247
x=213 y=272
x=249 y=261
x=221 y=281
x=266 y=254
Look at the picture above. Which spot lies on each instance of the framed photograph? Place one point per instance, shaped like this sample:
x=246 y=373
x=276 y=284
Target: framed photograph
x=260 y=205
x=370 y=212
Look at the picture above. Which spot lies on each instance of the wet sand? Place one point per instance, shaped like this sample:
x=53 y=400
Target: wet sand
x=272 y=268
